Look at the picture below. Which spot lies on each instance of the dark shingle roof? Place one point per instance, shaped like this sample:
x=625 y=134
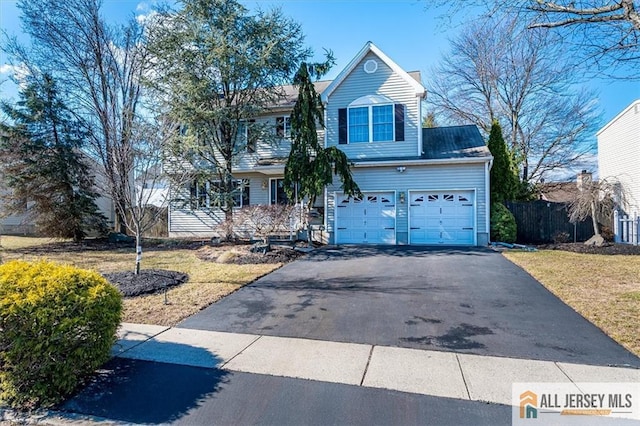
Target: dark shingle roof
x=453 y=142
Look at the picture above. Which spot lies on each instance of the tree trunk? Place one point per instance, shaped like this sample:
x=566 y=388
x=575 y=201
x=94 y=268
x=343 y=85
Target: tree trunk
x=138 y=251
x=594 y=219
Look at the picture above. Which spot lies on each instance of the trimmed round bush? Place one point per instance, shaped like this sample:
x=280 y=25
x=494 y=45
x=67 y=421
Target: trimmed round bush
x=503 y=224
x=57 y=326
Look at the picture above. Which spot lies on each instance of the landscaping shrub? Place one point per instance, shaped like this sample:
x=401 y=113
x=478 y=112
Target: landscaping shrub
x=57 y=325
x=503 y=224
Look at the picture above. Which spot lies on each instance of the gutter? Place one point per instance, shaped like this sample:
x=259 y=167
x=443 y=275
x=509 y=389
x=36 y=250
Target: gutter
x=465 y=160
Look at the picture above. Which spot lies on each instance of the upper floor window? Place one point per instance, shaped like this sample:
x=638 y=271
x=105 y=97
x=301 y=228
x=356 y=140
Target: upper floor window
x=283 y=127
x=245 y=136
x=371 y=118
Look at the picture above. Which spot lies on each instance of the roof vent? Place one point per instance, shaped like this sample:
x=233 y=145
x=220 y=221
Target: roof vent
x=370 y=66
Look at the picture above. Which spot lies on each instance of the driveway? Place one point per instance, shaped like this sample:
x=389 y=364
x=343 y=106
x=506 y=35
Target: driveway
x=464 y=300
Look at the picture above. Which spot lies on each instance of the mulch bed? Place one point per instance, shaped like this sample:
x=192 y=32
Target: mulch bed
x=147 y=281
x=607 y=248
x=241 y=255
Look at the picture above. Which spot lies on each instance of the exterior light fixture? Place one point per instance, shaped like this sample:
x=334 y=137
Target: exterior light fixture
x=264 y=184
x=401 y=169
x=401 y=197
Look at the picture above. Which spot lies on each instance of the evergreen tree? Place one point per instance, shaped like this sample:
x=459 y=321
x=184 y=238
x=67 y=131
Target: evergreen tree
x=505 y=184
x=311 y=167
x=41 y=164
x=232 y=71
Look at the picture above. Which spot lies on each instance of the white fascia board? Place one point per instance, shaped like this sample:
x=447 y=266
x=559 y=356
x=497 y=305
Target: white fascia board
x=617 y=117
x=420 y=147
x=466 y=160
x=370 y=47
x=277 y=169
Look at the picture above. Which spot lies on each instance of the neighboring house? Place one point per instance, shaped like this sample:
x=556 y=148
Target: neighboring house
x=22 y=224
x=563 y=192
x=420 y=186
x=619 y=155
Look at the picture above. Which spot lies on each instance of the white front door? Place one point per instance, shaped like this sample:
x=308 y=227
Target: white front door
x=367 y=220
x=442 y=217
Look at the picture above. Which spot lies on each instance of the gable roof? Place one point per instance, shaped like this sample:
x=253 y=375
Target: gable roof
x=291 y=94
x=453 y=142
x=370 y=47
x=634 y=104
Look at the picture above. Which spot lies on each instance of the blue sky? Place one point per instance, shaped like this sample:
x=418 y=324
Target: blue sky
x=413 y=36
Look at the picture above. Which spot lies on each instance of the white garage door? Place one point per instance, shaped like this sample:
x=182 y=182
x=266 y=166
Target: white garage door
x=367 y=220
x=443 y=217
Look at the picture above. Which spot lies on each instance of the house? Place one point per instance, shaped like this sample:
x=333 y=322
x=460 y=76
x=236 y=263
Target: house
x=619 y=155
x=23 y=223
x=420 y=186
x=562 y=192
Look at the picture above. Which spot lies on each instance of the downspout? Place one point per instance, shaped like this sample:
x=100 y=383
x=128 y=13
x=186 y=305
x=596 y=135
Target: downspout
x=487 y=196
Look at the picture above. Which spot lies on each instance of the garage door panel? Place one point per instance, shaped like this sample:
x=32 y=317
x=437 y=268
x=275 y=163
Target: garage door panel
x=442 y=217
x=370 y=220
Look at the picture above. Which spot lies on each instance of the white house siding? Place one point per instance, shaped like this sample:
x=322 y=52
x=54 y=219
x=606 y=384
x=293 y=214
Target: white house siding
x=269 y=148
x=184 y=222
x=619 y=153
x=418 y=178
x=382 y=82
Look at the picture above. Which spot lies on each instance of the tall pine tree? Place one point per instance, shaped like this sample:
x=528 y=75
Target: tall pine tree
x=311 y=167
x=41 y=165
x=505 y=183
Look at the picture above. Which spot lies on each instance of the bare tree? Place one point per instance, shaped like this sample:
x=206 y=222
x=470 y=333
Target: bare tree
x=594 y=199
x=146 y=198
x=605 y=34
x=497 y=70
x=99 y=71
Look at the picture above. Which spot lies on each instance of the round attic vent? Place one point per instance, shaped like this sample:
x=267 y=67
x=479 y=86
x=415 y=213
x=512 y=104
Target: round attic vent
x=370 y=66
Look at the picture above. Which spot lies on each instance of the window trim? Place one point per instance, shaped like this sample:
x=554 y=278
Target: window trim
x=271 y=195
x=200 y=201
x=286 y=126
x=370 y=122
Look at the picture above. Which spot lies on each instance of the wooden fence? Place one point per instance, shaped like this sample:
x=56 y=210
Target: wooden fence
x=541 y=222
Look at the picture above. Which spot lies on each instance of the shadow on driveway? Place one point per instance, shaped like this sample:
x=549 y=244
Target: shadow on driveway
x=140 y=391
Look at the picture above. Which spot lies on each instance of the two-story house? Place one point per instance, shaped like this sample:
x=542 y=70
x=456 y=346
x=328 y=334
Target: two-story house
x=420 y=186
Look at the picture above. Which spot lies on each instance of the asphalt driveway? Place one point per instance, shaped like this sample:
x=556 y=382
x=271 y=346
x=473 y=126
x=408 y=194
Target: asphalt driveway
x=465 y=300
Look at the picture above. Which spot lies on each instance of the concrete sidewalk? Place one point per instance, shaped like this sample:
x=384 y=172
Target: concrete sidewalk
x=435 y=373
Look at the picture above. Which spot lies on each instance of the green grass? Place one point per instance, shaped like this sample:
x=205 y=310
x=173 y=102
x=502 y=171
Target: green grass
x=208 y=281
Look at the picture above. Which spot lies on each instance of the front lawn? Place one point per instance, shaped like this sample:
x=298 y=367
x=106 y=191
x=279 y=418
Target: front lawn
x=604 y=289
x=208 y=281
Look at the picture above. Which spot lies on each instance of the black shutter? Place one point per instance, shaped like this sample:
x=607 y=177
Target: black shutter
x=399 y=118
x=280 y=127
x=342 y=126
x=193 y=195
x=251 y=137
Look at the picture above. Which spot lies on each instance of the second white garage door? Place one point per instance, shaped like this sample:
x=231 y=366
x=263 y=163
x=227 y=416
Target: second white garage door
x=367 y=220
x=443 y=217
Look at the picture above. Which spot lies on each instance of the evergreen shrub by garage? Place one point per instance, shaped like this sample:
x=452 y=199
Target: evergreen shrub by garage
x=503 y=224
x=57 y=326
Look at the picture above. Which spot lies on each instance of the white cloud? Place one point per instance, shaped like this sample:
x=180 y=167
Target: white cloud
x=7 y=69
x=143 y=18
